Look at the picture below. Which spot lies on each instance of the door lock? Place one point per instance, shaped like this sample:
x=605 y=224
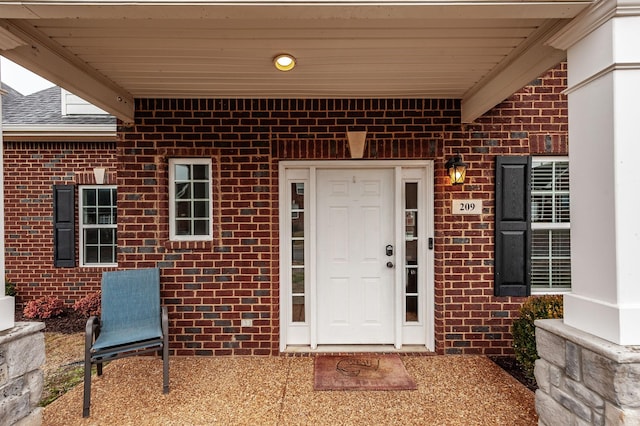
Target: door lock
x=389 y=250
x=389 y=264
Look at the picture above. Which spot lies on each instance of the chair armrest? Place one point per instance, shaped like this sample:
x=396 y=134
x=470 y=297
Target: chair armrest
x=92 y=330
x=165 y=321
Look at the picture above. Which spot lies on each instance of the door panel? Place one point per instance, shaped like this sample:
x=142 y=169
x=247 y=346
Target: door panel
x=355 y=288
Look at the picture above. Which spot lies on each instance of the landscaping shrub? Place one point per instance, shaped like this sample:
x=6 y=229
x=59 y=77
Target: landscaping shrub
x=43 y=308
x=524 y=331
x=89 y=305
x=9 y=287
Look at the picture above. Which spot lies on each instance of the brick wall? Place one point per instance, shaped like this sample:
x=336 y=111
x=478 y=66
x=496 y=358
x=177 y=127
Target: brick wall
x=210 y=287
x=30 y=171
x=469 y=319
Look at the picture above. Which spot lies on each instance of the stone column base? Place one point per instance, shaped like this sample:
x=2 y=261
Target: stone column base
x=21 y=378
x=583 y=379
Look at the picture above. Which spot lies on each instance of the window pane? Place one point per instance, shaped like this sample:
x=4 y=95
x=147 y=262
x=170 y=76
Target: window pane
x=550 y=192
x=297 y=225
x=562 y=176
x=200 y=172
x=104 y=197
x=104 y=216
x=183 y=209
x=551 y=259
x=411 y=224
x=297 y=196
x=411 y=309
x=201 y=190
x=297 y=309
x=562 y=208
x=541 y=208
x=561 y=273
x=183 y=190
x=560 y=243
x=411 y=196
x=297 y=280
x=91 y=236
x=201 y=227
x=412 y=281
x=182 y=171
x=411 y=249
x=90 y=216
x=542 y=176
x=88 y=197
x=107 y=254
x=107 y=236
x=297 y=254
x=91 y=254
x=183 y=227
x=201 y=209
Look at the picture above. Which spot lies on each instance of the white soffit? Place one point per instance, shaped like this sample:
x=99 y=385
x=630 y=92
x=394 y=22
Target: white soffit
x=110 y=52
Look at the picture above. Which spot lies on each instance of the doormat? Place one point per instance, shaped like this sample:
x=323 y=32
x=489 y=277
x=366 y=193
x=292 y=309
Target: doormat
x=361 y=372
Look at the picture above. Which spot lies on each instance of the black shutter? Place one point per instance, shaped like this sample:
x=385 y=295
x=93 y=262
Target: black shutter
x=64 y=226
x=513 y=226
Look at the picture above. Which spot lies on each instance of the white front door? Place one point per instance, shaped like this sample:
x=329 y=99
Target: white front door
x=355 y=274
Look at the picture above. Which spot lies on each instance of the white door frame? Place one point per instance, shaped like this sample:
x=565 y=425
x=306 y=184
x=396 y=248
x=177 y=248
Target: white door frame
x=305 y=333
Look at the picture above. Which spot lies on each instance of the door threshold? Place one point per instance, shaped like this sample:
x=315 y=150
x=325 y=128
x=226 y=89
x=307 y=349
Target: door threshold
x=325 y=349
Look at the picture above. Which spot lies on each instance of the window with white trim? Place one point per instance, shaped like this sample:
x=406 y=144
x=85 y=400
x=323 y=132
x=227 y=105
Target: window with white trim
x=98 y=225
x=550 y=225
x=190 y=212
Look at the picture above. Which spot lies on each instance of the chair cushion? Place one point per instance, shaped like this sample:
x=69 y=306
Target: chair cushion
x=122 y=336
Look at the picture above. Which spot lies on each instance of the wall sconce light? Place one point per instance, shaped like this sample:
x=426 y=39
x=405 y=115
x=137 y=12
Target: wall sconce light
x=456 y=169
x=357 y=142
x=98 y=174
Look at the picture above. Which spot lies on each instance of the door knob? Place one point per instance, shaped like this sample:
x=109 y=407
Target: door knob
x=389 y=264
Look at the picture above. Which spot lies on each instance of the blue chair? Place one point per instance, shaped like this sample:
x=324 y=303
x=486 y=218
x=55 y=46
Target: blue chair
x=132 y=323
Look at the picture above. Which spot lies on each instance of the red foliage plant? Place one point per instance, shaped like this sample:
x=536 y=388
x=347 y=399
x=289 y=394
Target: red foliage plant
x=89 y=305
x=43 y=308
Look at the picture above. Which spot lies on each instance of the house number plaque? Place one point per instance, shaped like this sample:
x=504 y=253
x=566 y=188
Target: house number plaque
x=466 y=206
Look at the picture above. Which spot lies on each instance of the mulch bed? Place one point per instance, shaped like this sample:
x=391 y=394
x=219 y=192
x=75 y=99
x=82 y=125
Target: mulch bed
x=511 y=366
x=68 y=323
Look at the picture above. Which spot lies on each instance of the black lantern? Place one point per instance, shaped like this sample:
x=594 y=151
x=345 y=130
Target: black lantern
x=456 y=169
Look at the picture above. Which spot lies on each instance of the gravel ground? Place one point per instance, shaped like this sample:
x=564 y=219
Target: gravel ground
x=452 y=390
x=62 y=349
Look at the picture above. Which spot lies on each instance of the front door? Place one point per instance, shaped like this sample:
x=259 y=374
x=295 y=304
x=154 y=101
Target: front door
x=355 y=271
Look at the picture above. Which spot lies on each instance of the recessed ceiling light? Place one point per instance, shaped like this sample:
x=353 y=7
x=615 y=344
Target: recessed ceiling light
x=284 y=62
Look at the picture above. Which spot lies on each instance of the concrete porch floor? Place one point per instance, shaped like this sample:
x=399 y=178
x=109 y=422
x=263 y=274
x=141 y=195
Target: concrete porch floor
x=452 y=390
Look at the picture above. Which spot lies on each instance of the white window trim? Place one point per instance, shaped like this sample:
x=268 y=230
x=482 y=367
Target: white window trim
x=172 y=204
x=82 y=227
x=549 y=226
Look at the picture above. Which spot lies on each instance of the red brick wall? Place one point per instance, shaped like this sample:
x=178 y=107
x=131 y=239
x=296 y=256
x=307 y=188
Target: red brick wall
x=211 y=287
x=469 y=319
x=30 y=171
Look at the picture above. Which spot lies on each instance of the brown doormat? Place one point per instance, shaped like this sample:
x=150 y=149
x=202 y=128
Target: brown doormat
x=361 y=372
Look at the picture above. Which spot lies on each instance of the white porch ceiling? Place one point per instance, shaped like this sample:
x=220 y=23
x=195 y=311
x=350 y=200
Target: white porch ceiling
x=110 y=52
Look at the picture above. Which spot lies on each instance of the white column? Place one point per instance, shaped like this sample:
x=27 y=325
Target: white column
x=603 y=55
x=7 y=304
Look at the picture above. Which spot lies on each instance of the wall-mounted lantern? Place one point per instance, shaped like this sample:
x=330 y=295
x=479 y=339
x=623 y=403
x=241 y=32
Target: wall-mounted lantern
x=98 y=174
x=456 y=169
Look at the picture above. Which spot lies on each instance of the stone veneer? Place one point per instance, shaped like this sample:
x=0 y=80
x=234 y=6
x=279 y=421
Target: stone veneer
x=21 y=378
x=583 y=379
